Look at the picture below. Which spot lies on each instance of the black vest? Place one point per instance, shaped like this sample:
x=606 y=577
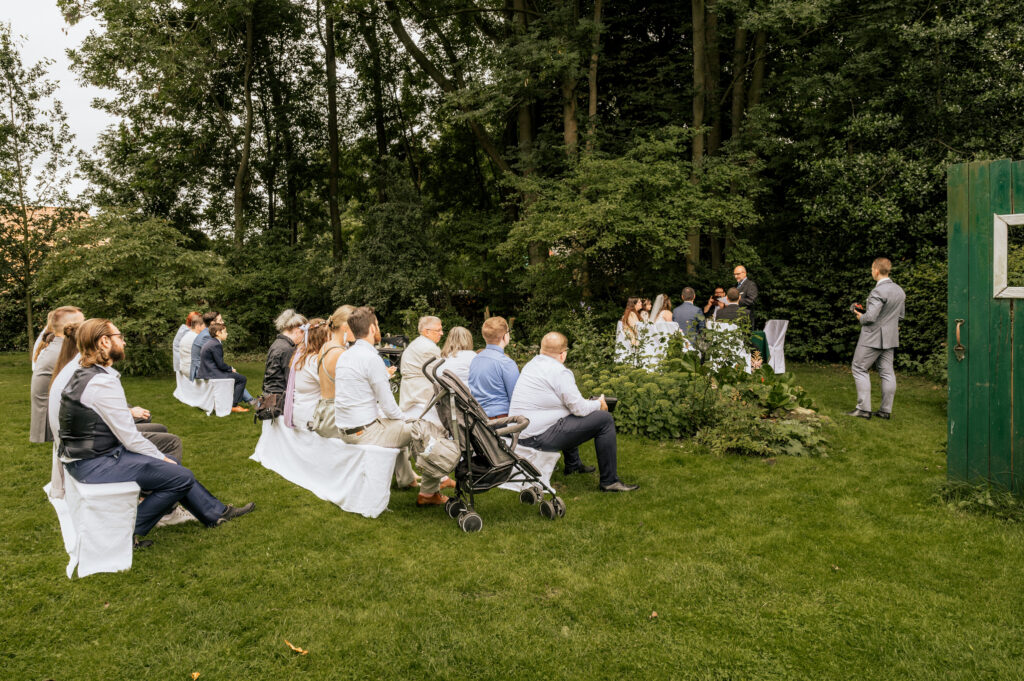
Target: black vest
x=83 y=434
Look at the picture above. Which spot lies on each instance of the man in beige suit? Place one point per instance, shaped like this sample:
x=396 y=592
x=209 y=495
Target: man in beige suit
x=416 y=390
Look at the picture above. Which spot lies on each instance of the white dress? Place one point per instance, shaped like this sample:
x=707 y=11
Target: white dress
x=307 y=394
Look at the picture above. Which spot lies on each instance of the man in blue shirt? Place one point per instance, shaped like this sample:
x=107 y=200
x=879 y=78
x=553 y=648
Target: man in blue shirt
x=197 y=345
x=492 y=373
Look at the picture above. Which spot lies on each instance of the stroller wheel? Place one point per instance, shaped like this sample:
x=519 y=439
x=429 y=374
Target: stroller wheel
x=529 y=496
x=471 y=522
x=559 y=507
x=547 y=509
x=453 y=507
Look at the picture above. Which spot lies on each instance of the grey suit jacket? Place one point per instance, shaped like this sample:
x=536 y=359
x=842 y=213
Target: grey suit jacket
x=39 y=425
x=690 y=319
x=416 y=389
x=880 y=323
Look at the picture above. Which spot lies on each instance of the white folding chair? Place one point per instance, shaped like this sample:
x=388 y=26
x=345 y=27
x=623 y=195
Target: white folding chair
x=775 y=335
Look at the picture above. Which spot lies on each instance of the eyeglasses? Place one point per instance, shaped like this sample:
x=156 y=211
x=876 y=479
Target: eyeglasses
x=119 y=335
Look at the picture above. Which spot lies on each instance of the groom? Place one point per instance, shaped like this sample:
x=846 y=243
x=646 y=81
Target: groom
x=879 y=338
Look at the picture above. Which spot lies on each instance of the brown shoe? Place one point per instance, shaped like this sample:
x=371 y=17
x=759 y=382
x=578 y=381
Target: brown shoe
x=431 y=499
x=447 y=483
x=238 y=410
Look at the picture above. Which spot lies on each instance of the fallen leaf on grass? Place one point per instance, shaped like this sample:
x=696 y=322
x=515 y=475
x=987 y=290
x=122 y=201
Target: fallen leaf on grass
x=300 y=651
x=106 y=605
x=653 y=615
x=195 y=675
x=835 y=568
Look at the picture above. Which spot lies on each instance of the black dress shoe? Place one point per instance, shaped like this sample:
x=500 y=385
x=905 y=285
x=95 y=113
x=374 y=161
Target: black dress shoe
x=230 y=513
x=859 y=414
x=883 y=414
x=141 y=543
x=580 y=469
x=619 y=486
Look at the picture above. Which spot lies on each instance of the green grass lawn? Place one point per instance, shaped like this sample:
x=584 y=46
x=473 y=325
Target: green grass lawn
x=827 y=568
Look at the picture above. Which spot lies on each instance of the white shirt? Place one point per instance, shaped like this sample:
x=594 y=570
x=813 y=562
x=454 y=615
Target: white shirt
x=417 y=390
x=458 y=364
x=105 y=396
x=175 y=356
x=307 y=393
x=361 y=384
x=546 y=392
x=185 y=351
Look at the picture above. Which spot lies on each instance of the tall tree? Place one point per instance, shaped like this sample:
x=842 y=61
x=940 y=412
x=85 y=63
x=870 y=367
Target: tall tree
x=332 y=130
x=35 y=156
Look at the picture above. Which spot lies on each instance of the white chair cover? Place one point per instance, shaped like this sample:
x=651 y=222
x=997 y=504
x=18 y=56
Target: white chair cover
x=97 y=523
x=544 y=462
x=737 y=348
x=356 y=478
x=775 y=334
x=213 y=395
x=622 y=344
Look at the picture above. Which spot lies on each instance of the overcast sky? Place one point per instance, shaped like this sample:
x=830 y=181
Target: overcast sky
x=48 y=36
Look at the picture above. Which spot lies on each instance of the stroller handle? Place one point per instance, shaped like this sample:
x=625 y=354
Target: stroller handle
x=508 y=425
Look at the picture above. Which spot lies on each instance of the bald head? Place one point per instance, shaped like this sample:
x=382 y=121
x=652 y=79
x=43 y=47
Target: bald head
x=553 y=344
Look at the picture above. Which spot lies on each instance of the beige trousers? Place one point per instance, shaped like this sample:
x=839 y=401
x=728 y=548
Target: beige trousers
x=435 y=455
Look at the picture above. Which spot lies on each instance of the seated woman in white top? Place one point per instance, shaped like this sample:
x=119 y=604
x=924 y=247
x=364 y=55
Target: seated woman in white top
x=304 y=368
x=663 y=305
x=630 y=318
x=457 y=353
x=185 y=344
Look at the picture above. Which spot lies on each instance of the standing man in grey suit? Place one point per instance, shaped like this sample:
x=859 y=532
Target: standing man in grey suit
x=879 y=338
x=748 y=292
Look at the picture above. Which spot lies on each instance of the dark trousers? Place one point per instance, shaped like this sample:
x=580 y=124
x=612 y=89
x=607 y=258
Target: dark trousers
x=571 y=431
x=168 y=443
x=240 y=381
x=167 y=483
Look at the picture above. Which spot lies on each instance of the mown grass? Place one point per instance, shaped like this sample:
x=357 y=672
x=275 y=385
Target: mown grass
x=821 y=568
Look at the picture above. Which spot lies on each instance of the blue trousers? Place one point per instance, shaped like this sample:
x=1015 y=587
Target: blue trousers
x=568 y=433
x=166 y=482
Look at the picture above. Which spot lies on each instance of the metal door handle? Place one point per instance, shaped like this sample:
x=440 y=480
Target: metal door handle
x=959 y=350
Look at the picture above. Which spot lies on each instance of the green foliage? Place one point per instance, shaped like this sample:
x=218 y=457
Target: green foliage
x=135 y=272
x=765 y=437
x=984 y=500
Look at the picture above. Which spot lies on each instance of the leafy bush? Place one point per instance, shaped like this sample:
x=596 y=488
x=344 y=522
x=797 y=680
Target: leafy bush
x=135 y=272
x=980 y=500
x=744 y=433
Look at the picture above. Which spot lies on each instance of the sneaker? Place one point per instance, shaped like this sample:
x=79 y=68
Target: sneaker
x=230 y=513
x=141 y=543
x=176 y=517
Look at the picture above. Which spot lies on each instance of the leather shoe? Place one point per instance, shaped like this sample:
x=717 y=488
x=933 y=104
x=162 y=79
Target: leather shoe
x=437 y=499
x=580 y=469
x=859 y=414
x=447 y=483
x=230 y=513
x=883 y=414
x=238 y=410
x=619 y=486
x=141 y=543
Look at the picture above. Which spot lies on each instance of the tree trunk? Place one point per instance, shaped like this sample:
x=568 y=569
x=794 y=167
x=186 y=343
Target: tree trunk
x=739 y=68
x=243 y=163
x=595 y=44
x=332 y=134
x=24 y=219
x=282 y=126
x=757 y=74
x=570 y=126
x=536 y=251
x=712 y=72
x=697 y=152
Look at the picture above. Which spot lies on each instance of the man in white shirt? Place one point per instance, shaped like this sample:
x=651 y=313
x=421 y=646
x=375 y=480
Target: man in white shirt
x=560 y=419
x=366 y=413
x=99 y=441
x=417 y=390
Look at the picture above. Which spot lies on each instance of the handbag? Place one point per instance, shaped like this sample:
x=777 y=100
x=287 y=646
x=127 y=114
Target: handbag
x=322 y=422
x=268 y=406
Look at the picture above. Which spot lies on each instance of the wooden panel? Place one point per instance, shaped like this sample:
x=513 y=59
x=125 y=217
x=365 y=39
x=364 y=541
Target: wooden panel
x=957 y=224
x=979 y=302
x=1017 y=342
x=1000 y=341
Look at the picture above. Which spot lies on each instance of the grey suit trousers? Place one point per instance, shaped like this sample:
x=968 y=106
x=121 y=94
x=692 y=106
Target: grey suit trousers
x=863 y=359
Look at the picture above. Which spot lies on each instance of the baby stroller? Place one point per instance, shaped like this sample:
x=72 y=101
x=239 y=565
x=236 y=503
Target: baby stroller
x=486 y=459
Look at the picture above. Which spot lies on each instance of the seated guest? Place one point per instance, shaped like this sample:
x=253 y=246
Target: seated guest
x=100 y=443
x=645 y=310
x=416 y=390
x=560 y=419
x=279 y=356
x=303 y=382
x=715 y=302
x=665 y=309
x=458 y=353
x=45 y=359
x=197 y=345
x=630 y=318
x=47 y=330
x=182 y=330
x=731 y=311
x=492 y=373
x=337 y=343
x=366 y=412
x=688 y=316
x=186 y=343
x=212 y=365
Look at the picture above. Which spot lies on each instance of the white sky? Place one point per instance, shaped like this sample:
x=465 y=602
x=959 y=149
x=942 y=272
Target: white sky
x=48 y=36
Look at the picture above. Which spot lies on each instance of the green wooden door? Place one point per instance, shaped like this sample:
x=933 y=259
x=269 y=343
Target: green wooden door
x=986 y=366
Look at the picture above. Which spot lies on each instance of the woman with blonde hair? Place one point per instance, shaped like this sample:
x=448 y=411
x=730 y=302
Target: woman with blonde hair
x=304 y=395
x=458 y=353
x=336 y=342
x=42 y=374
